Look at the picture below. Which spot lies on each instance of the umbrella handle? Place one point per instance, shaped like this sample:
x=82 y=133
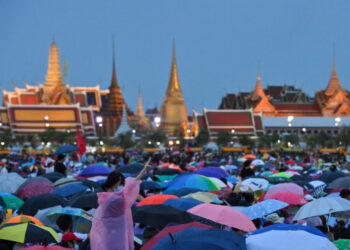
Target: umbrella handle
x=172 y=238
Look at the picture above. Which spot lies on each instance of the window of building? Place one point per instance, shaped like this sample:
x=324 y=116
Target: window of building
x=91 y=98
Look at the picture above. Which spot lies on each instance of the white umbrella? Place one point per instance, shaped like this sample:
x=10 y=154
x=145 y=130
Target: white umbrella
x=9 y=183
x=218 y=182
x=324 y=206
x=317 y=183
x=255 y=183
x=257 y=162
x=288 y=240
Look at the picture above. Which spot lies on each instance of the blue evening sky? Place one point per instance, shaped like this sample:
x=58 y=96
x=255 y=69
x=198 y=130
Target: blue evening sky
x=218 y=44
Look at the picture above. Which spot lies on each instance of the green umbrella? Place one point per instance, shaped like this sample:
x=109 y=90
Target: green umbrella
x=342 y=244
x=10 y=201
x=166 y=177
x=282 y=174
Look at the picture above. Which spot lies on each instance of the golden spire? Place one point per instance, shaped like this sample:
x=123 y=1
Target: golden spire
x=173 y=85
x=54 y=77
x=114 y=73
x=334 y=84
x=259 y=91
x=139 y=110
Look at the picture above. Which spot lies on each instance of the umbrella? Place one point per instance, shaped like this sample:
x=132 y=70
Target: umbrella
x=281 y=174
x=323 y=206
x=24 y=219
x=33 y=204
x=160 y=215
x=133 y=168
x=285 y=187
x=10 y=201
x=182 y=203
x=85 y=201
x=94 y=170
x=184 y=191
x=216 y=172
x=340 y=183
x=255 y=183
x=291 y=237
x=156 y=199
x=330 y=176
x=69 y=190
x=147 y=185
x=257 y=162
x=224 y=215
x=42 y=216
x=171 y=229
x=304 y=184
x=193 y=181
x=342 y=244
x=202 y=196
x=65 y=181
x=168 y=171
x=34 y=186
x=288 y=197
x=261 y=209
x=40 y=247
x=28 y=233
x=317 y=183
x=53 y=176
x=66 y=149
x=249 y=156
x=201 y=238
x=10 y=182
x=300 y=178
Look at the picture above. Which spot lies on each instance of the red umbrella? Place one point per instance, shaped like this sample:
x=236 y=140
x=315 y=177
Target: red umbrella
x=31 y=189
x=156 y=199
x=290 y=162
x=39 y=247
x=288 y=197
x=171 y=229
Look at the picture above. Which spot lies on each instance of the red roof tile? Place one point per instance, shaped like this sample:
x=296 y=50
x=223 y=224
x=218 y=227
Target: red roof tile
x=229 y=118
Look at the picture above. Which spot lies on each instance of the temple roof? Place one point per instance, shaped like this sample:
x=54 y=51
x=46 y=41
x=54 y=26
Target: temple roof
x=259 y=91
x=334 y=84
x=173 y=85
x=53 y=77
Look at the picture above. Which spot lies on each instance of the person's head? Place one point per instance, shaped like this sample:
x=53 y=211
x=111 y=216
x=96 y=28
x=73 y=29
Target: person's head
x=345 y=193
x=64 y=222
x=114 y=180
x=247 y=163
x=333 y=168
x=70 y=240
x=60 y=158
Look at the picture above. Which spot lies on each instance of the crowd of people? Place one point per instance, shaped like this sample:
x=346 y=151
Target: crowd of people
x=122 y=193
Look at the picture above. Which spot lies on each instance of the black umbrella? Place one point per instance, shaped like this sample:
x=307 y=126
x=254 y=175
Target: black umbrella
x=168 y=171
x=90 y=184
x=330 y=176
x=85 y=201
x=53 y=177
x=160 y=215
x=300 y=178
x=147 y=185
x=133 y=168
x=304 y=184
x=340 y=183
x=42 y=201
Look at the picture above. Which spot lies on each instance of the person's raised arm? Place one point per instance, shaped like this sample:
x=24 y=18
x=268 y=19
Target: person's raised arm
x=144 y=170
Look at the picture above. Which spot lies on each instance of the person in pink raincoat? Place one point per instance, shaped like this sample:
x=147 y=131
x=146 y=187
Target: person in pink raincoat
x=112 y=226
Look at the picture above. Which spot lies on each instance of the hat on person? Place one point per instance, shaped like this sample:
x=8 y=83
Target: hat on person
x=274 y=218
x=69 y=237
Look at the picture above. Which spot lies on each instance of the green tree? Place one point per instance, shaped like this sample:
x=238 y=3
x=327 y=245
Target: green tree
x=125 y=140
x=265 y=141
x=223 y=138
x=312 y=141
x=246 y=141
x=202 y=138
x=292 y=139
x=153 y=137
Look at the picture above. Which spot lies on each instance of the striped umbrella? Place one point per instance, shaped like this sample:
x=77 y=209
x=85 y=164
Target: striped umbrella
x=28 y=233
x=24 y=219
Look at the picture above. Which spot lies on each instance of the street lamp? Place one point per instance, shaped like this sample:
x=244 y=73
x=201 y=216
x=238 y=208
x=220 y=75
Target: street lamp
x=149 y=142
x=46 y=118
x=177 y=142
x=233 y=131
x=157 y=121
x=158 y=143
x=337 y=121
x=47 y=124
x=171 y=143
x=304 y=130
x=133 y=131
x=99 y=119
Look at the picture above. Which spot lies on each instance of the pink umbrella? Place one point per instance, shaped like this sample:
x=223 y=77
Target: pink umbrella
x=284 y=187
x=288 y=197
x=39 y=247
x=224 y=215
x=171 y=229
x=31 y=189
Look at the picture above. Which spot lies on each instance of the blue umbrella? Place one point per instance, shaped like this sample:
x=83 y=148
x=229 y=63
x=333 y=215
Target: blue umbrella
x=66 y=149
x=182 y=203
x=95 y=170
x=263 y=208
x=182 y=191
x=216 y=172
x=291 y=227
x=150 y=185
x=70 y=189
x=200 y=238
x=133 y=168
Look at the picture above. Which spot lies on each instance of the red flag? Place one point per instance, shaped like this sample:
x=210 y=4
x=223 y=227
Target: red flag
x=80 y=142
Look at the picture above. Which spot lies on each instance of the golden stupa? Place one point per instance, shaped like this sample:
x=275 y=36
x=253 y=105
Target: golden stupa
x=174 y=120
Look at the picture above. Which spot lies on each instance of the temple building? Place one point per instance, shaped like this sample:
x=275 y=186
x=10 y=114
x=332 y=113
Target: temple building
x=112 y=108
x=285 y=100
x=139 y=121
x=174 y=120
x=52 y=104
